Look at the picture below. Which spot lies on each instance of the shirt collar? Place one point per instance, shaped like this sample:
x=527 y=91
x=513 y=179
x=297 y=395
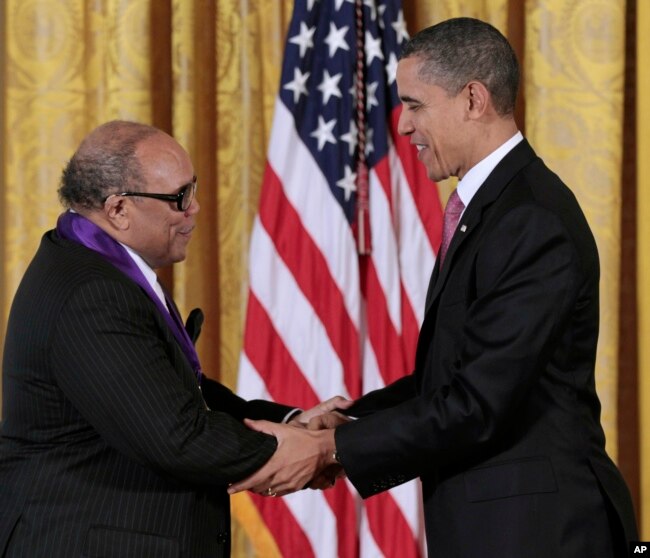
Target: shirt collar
x=148 y=272
x=475 y=176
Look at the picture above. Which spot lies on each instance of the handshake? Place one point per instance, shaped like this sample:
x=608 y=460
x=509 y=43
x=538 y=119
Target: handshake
x=306 y=452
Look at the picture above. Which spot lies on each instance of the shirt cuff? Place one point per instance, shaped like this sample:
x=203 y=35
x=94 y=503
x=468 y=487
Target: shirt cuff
x=291 y=414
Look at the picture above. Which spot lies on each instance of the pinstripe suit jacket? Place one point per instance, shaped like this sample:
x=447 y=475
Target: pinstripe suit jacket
x=106 y=447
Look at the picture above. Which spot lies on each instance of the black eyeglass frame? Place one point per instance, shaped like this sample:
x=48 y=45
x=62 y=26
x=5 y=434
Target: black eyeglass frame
x=181 y=198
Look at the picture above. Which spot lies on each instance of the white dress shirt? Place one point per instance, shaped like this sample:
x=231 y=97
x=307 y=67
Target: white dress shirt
x=472 y=181
x=149 y=274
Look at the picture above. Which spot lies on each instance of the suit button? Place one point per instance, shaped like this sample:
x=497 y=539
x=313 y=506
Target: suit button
x=222 y=537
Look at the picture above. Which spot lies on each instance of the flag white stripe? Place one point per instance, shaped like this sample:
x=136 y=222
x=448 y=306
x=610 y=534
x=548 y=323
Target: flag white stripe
x=372 y=379
x=321 y=215
x=250 y=384
x=406 y=495
x=293 y=317
x=416 y=255
x=315 y=517
x=367 y=545
x=384 y=250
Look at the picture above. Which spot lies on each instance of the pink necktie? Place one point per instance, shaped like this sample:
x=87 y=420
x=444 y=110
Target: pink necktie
x=453 y=210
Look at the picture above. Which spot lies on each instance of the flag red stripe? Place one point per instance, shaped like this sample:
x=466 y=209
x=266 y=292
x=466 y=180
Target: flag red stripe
x=343 y=505
x=382 y=170
x=310 y=270
x=389 y=528
x=410 y=330
x=285 y=382
x=383 y=336
x=289 y=537
x=424 y=192
x=267 y=353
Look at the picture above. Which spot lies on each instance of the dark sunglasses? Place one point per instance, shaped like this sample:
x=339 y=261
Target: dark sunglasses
x=183 y=199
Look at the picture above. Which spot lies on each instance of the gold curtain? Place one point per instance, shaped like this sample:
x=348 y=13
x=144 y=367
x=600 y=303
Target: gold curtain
x=643 y=252
x=68 y=66
x=574 y=119
x=425 y=13
x=53 y=92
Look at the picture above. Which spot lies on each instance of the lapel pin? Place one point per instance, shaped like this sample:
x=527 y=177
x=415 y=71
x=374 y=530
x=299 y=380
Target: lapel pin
x=463 y=228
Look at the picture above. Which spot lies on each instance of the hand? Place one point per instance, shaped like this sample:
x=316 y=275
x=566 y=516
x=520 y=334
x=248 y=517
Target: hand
x=302 y=455
x=327 y=420
x=327 y=478
x=332 y=404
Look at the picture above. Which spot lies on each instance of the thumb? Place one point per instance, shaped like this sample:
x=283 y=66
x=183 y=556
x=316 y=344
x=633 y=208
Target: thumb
x=336 y=402
x=343 y=403
x=333 y=403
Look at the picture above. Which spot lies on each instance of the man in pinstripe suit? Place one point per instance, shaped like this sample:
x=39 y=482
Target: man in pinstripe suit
x=108 y=446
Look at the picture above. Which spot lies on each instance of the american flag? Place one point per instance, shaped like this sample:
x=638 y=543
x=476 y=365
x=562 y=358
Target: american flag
x=324 y=319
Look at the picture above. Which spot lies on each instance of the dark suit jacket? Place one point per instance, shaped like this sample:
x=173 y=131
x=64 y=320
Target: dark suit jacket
x=500 y=418
x=106 y=447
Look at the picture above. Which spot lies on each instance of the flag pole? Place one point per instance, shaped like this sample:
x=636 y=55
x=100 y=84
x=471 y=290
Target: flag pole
x=363 y=206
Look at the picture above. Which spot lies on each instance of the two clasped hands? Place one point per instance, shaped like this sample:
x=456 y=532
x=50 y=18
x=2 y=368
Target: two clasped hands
x=305 y=456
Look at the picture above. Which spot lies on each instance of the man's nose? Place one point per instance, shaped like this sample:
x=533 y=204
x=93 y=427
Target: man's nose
x=404 y=124
x=194 y=207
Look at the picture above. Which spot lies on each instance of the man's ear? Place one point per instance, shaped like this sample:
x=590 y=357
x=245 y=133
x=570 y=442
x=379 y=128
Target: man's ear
x=478 y=98
x=116 y=212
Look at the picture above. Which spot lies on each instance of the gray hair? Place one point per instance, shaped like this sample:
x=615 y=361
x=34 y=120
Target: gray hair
x=105 y=163
x=457 y=51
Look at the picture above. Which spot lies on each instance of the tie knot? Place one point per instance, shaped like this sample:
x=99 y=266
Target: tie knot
x=455 y=205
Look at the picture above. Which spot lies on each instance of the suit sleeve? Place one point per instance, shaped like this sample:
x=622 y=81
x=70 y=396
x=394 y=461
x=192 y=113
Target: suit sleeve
x=526 y=275
x=114 y=359
x=393 y=394
x=219 y=398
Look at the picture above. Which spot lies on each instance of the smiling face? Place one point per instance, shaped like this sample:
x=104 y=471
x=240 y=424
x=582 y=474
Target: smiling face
x=436 y=122
x=157 y=231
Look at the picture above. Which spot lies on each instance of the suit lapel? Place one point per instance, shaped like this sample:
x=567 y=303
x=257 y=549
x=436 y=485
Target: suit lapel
x=519 y=157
